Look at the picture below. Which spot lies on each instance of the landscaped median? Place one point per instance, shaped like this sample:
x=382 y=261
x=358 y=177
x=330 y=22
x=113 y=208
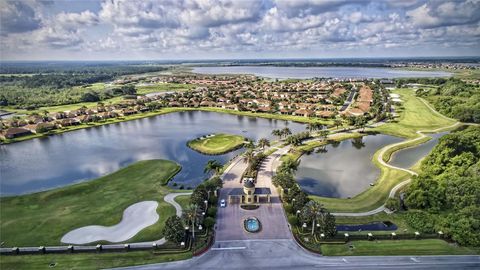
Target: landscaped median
x=43 y=218
x=217 y=144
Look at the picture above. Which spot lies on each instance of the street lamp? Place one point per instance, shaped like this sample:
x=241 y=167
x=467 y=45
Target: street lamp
x=200 y=227
x=298 y=212
x=293 y=202
x=304 y=226
x=206 y=204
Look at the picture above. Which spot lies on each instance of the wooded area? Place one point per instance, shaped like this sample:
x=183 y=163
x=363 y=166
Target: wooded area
x=446 y=194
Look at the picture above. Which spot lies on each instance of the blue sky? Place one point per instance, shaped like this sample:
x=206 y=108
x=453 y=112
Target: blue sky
x=213 y=29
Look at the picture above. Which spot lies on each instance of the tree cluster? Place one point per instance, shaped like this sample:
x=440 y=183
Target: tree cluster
x=447 y=191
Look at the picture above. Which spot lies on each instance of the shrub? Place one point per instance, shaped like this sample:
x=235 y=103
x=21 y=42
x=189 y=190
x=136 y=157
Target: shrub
x=393 y=204
x=293 y=220
x=421 y=220
x=212 y=211
x=209 y=222
x=288 y=208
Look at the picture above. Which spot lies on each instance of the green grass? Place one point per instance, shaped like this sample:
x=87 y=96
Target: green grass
x=217 y=144
x=414 y=117
x=87 y=260
x=43 y=218
x=396 y=247
x=183 y=200
x=139 y=116
x=371 y=198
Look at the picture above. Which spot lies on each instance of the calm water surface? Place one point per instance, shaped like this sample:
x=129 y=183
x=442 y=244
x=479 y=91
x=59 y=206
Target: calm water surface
x=407 y=157
x=342 y=170
x=75 y=156
x=320 y=72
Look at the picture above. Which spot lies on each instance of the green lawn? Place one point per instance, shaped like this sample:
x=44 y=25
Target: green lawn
x=183 y=200
x=371 y=198
x=395 y=247
x=414 y=117
x=87 y=260
x=43 y=218
x=217 y=144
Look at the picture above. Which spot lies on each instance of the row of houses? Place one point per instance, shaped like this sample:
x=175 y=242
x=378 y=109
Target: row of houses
x=306 y=99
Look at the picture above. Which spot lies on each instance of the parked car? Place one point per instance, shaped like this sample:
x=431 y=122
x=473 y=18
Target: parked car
x=222 y=203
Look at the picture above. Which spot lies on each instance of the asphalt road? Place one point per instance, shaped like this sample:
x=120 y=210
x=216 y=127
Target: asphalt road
x=286 y=254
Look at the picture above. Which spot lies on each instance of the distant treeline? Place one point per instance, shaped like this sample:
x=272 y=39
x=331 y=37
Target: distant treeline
x=55 y=84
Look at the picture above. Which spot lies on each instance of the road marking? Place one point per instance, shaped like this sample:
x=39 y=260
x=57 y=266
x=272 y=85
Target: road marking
x=414 y=259
x=228 y=248
x=344 y=260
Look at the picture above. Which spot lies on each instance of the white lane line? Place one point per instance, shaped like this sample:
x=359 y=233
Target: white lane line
x=344 y=260
x=414 y=259
x=229 y=248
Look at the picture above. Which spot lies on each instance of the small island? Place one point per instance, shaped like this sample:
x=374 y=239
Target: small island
x=217 y=144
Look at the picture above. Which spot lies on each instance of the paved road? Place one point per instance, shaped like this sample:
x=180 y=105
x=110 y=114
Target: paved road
x=229 y=225
x=230 y=253
x=286 y=254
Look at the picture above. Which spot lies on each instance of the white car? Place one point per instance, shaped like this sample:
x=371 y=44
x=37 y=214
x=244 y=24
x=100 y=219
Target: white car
x=222 y=203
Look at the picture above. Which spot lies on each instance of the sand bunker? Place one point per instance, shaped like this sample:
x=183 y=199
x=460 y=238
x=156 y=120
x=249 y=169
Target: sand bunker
x=135 y=218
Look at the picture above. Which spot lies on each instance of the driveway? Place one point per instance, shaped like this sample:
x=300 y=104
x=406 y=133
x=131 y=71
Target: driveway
x=229 y=225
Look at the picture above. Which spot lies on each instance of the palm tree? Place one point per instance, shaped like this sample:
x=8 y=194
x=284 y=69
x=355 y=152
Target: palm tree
x=337 y=123
x=289 y=166
x=286 y=131
x=249 y=156
x=263 y=142
x=212 y=166
x=323 y=134
x=191 y=214
x=277 y=133
x=311 y=212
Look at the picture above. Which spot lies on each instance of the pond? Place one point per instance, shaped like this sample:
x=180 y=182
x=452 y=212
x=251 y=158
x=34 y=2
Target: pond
x=319 y=72
x=373 y=226
x=60 y=160
x=407 y=157
x=344 y=169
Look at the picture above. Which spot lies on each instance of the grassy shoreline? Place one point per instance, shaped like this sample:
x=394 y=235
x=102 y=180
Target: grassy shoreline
x=43 y=218
x=417 y=116
x=217 y=144
x=299 y=119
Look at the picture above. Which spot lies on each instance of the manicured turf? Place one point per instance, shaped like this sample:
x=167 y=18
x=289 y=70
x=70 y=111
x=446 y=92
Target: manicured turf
x=371 y=198
x=183 y=200
x=43 y=218
x=87 y=260
x=415 y=116
x=395 y=247
x=217 y=144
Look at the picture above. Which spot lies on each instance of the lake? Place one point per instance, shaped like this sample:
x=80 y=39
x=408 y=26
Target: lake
x=407 y=157
x=319 y=72
x=71 y=157
x=342 y=170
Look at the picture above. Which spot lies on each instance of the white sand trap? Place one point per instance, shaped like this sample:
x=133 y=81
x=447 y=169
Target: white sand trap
x=135 y=218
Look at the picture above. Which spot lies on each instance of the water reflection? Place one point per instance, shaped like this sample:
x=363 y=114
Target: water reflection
x=88 y=153
x=406 y=158
x=343 y=170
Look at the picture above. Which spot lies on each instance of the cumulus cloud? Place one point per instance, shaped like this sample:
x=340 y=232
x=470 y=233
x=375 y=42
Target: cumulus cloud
x=17 y=17
x=209 y=27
